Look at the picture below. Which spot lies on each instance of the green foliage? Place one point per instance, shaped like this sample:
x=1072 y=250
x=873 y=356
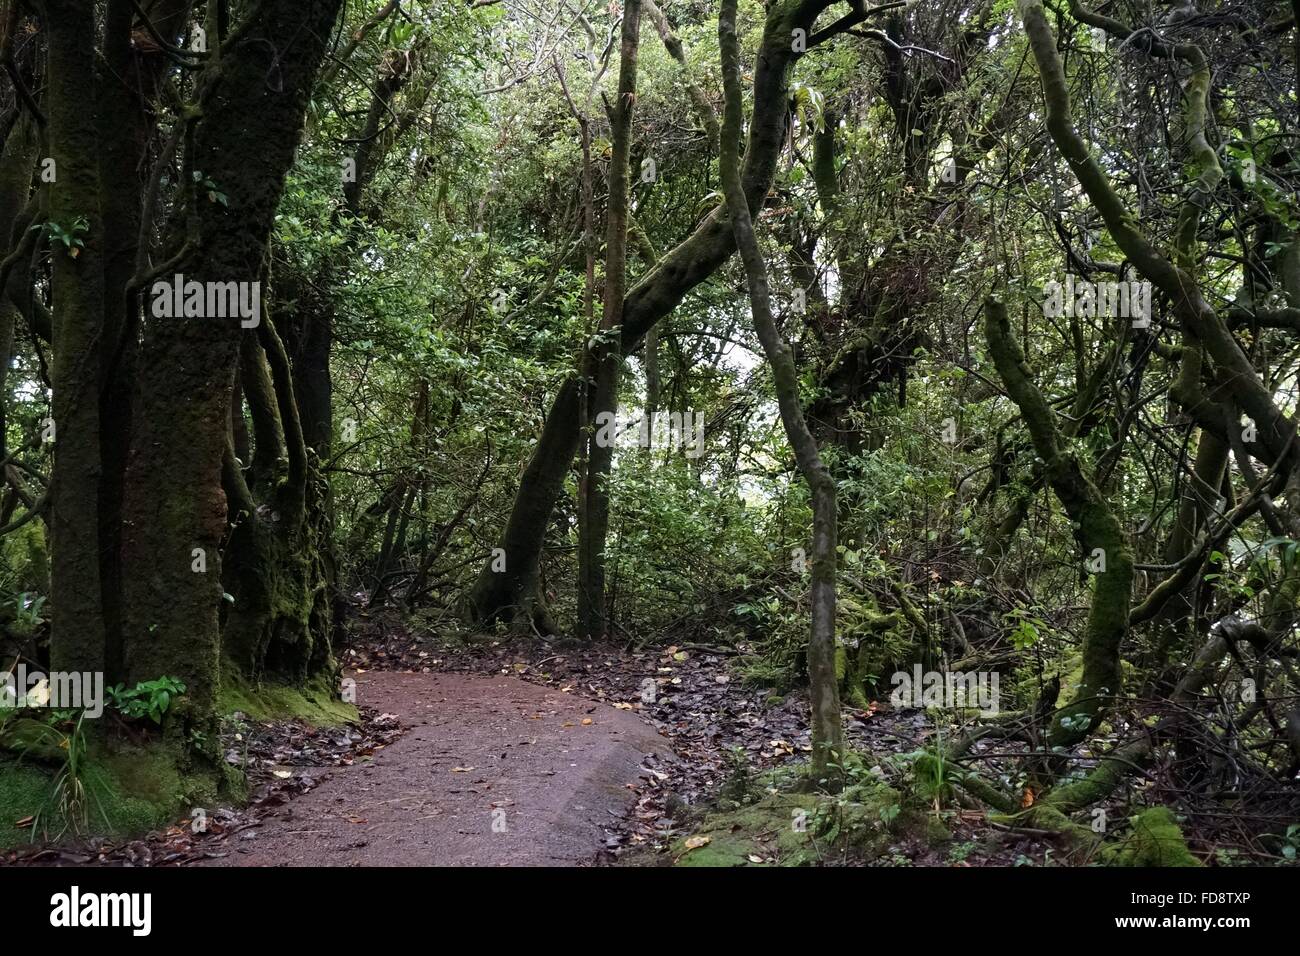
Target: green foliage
x=71 y=237
x=146 y=699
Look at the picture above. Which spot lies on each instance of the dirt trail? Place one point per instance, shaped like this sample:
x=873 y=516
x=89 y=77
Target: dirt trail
x=541 y=776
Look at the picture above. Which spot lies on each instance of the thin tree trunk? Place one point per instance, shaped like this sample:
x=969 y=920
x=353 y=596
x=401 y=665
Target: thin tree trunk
x=607 y=358
x=827 y=735
x=1100 y=536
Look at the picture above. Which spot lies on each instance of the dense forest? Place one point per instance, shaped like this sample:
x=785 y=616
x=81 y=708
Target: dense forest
x=888 y=408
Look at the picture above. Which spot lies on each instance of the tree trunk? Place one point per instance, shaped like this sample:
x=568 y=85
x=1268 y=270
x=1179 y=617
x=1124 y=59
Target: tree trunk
x=607 y=358
x=252 y=104
x=1098 y=530
x=77 y=291
x=827 y=735
x=498 y=595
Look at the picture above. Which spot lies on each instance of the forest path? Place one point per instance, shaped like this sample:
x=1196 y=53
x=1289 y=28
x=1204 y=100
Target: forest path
x=491 y=771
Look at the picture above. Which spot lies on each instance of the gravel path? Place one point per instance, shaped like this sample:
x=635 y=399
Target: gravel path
x=493 y=771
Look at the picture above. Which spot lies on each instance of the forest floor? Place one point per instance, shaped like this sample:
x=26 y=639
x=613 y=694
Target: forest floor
x=713 y=726
x=492 y=751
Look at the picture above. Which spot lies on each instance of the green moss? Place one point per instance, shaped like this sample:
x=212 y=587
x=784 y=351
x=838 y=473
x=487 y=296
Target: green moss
x=841 y=661
x=130 y=789
x=135 y=788
x=317 y=702
x=936 y=833
x=25 y=559
x=792 y=829
x=1156 y=840
x=23 y=790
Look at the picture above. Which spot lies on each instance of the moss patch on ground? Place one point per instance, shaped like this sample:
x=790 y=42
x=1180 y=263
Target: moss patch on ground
x=1156 y=840
x=128 y=790
x=131 y=788
x=317 y=703
x=23 y=790
x=795 y=829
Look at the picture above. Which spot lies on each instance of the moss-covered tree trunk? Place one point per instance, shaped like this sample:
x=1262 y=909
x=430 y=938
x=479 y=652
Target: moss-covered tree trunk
x=242 y=137
x=129 y=84
x=497 y=594
x=827 y=735
x=277 y=621
x=77 y=295
x=1100 y=536
x=607 y=357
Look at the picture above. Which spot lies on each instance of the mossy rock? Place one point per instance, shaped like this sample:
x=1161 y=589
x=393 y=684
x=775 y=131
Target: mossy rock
x=792 y=829
x=1156 y=840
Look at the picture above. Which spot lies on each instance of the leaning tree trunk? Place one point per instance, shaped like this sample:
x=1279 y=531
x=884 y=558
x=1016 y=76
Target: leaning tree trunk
x=504 y=594
x=607 y=358
x=1098 y=530
x=827 y=735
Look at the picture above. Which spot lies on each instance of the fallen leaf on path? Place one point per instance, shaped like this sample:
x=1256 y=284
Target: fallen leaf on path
x=695 y=842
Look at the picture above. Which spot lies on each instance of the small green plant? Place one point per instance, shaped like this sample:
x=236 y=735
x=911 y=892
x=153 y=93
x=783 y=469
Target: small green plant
x=961 y=851
x=934 y=776
x=146 y=699
x=1025 y=628
x=206 y=184
x=1291 y=844
x=69 y=236
x=27 y=612
x=67 y=804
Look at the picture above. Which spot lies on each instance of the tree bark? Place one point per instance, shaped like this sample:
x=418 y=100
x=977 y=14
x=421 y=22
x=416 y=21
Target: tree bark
x=252 y=102
x=827 y=735
x=607 y=357
x=77 y=293
x=1098 y=531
